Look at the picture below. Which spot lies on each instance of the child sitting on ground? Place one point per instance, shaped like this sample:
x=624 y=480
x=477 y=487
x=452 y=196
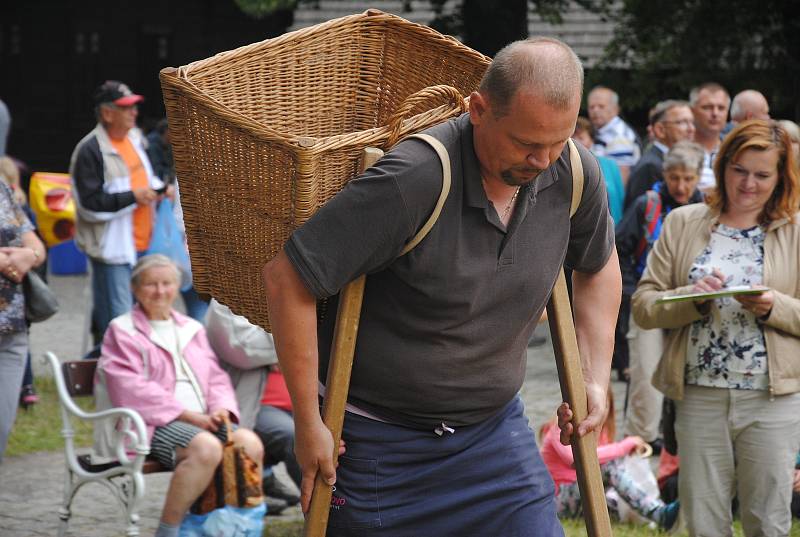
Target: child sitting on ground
x=559 y=461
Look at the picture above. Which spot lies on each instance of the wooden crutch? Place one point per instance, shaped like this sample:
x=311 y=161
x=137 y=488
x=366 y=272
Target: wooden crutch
x=570 y=376
x=337 y=383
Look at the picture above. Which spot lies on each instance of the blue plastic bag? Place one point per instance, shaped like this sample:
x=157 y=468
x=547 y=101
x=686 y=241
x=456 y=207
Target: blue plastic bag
x=226 y=521
x=168 y=240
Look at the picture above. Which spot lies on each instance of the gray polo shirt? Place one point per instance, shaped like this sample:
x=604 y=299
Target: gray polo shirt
x=444 y=328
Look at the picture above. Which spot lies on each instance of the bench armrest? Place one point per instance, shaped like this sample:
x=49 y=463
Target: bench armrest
x=131 y=433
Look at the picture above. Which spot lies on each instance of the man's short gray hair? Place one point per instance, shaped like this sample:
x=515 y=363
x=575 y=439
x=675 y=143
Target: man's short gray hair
x=712 y=87
x=544 y=65
x=744 y=102
x=614 y=95
x=98 y=110
x=660 y=109
x=147 y=262
x=685 y=154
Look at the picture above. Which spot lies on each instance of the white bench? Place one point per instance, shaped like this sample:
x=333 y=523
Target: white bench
x=123 y=476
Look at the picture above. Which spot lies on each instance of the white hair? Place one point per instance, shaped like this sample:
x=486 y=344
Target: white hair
x=147 y=262
x=685 y=154
x=613 y=94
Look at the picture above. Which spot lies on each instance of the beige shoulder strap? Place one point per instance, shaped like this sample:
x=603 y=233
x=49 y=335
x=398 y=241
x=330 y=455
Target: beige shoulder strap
x=445 y=158
x=577 y=177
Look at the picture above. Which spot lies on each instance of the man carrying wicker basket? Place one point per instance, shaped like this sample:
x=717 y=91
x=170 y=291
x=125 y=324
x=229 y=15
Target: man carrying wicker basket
x=437 y=443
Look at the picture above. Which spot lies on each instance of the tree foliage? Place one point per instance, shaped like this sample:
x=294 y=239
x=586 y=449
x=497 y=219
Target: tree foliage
x=258 y=9
x=667 y=47
x=488 y=25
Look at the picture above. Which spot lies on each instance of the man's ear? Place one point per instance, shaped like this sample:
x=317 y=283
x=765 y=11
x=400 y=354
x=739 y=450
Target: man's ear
x=659 y=131
x=478 y=107
x=105 y=114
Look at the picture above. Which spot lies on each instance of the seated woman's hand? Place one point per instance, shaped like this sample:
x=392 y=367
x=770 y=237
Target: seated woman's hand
x=218 y=417
x=204 y=421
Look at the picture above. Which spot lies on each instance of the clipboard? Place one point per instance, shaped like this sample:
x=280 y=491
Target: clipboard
x=728 y=291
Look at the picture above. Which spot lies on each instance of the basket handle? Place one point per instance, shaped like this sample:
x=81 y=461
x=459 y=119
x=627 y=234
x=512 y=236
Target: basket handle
x=441 y=91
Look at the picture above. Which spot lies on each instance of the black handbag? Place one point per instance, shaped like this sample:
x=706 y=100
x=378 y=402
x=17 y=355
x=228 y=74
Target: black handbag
x=41 y=302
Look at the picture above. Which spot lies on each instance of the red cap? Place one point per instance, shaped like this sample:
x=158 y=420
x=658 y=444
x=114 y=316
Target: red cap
x=113 y=91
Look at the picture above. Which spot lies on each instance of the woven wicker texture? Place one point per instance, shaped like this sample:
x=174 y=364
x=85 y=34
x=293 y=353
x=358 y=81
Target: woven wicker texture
x=263 y=135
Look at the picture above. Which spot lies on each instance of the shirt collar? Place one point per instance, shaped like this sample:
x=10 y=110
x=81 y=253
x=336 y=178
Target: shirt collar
x=661 y=147
x=610 y=126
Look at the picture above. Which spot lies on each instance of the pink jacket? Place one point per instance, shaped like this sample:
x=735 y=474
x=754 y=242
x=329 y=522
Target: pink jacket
x=138 y=372
x=559 y=461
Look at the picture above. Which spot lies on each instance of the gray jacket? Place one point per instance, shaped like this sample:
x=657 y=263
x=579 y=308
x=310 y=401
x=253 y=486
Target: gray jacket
x=245 y=351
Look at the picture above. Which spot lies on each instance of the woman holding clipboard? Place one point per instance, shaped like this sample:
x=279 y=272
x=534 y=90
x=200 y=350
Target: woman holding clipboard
x=732 y=363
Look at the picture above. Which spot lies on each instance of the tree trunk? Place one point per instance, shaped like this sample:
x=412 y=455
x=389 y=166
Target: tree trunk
x=490 y=25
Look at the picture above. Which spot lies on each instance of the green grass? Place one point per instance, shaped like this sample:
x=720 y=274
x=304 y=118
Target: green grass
x=39 y=428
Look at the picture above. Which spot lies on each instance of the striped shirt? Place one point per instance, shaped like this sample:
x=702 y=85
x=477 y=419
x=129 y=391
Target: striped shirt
x=617 y=141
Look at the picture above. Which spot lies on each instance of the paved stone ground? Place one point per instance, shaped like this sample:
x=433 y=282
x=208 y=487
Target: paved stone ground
x=31 y=486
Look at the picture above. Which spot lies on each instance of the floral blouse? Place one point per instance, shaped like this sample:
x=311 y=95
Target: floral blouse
x=13 y=223
x=726 y=348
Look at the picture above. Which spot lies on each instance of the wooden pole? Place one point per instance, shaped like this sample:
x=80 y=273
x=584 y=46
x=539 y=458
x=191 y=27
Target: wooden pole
x=338 y=380
x=573 y=390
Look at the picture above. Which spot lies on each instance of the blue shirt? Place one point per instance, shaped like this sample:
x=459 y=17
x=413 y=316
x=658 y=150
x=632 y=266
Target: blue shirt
x=614 y=187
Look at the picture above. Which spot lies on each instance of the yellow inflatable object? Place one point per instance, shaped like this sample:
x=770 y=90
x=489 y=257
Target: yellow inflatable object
x=50 y=198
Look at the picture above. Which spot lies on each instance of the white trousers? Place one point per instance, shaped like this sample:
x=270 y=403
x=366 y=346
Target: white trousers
x=644 y=400
x=736 y=442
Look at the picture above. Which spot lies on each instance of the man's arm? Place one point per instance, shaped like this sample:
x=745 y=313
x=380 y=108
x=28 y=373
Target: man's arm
x=87 y=173
x=293 y=313
x=596 y=298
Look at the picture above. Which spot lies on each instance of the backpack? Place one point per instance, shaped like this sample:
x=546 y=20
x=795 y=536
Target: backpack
x=652 y=219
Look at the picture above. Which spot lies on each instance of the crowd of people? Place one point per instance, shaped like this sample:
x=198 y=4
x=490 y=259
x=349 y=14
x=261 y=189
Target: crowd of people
x=710 y=205
x=698 y=204
x=192 y=379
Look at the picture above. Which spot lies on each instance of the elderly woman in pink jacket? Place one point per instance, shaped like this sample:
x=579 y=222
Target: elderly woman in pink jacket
x=159 y=362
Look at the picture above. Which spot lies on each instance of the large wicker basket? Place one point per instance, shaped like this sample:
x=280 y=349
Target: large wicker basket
x=263 y=135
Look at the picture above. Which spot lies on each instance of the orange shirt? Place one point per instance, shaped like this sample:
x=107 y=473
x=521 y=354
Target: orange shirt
x=142 y=216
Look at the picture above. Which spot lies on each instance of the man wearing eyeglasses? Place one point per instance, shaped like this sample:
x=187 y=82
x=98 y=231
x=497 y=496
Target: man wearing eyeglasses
x=115 y=189
x=671 y=121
